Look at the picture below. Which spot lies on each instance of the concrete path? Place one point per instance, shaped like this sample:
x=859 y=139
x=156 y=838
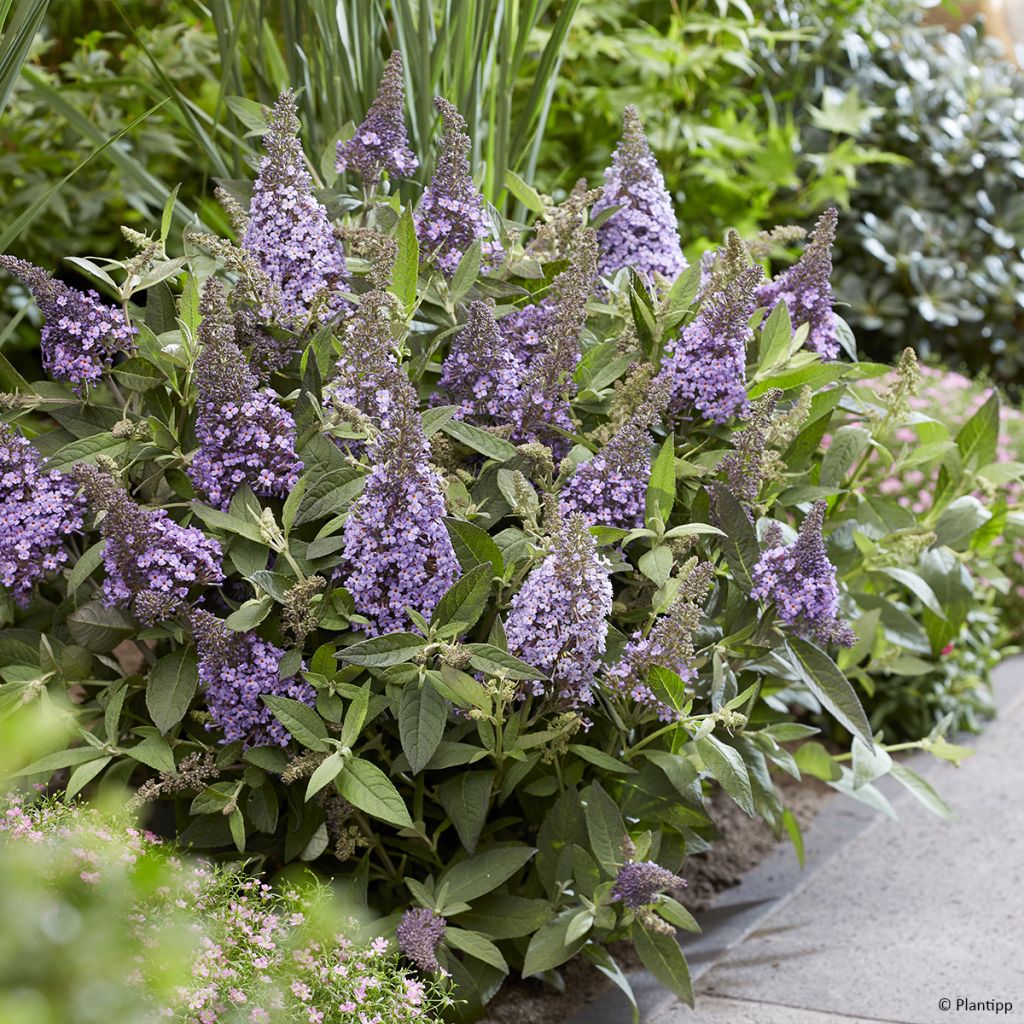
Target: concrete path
x=889 y=919
x=914 y=922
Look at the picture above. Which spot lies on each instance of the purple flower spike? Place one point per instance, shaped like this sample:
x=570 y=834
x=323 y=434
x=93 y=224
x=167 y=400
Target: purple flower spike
x=451 y=215
x=380 y=142
x=639 y=882
x=289 y=232
x=642 y=234
x=801 y=581
x=420 y=934
x=38 y=509
x=707 y=363
x=152 y=563
x=479 y=369
x=807 y=291
x=81 y=334
x=558 y=621
x=397 y=551
x=244 y=434
x=611 y=488
x=235 y=669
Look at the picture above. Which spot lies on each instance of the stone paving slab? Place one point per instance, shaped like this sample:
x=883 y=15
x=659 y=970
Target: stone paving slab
x=714 y=1010
x=906 y=914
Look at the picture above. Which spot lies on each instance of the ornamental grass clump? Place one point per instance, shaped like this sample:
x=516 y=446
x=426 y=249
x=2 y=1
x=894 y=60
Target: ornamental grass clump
x=470 y=618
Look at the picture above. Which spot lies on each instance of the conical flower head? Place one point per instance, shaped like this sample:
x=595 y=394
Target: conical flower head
x=153 y=565
x=420 y=934
x=479 y=370
x=707 y=363
x=236 y=669
x=642 y=234
x=610 y=489
x=540 y=398
x=669 y=644
x=806 y=288
x=558 y=622
x=639 y=882
x=289 y=232
x=451 y=214
x=801 y=581
x=38 y=510
x=81 y=335
x=380 y=142
x=397 y=551
x=244 y=434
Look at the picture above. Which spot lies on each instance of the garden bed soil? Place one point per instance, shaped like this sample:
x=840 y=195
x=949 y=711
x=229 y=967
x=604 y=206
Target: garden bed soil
x=744 y=843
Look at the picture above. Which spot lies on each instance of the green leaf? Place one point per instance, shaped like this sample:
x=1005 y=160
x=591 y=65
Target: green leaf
x=550 y=946
x=484 y=872
x=407 y=261
x=917 y=587
x=366 y=787
x=823 y=678
x=291 y=505
x=250 y=614
x=776 y=336
x=476 y=945
x=305 y=725
x=494 y=661
x=739 y=545
x=83 y=568
x=848 y=444
x=326 y=772
x=466 y=272
x=661 y=955
x=922 y=790
x=381 y=651
x=481 y=441
x=466 y=800
x=601 y=760
x=506 y=917
x=61 y=759
x=466 y=599
x=728 y=769
x=460 y=688
x=960 y=519
x=172 y=684
x=138 y=374
x=228 y=523
x=154 y=752
x=661 y=490
x=100 y=629
x=355 y=716
x=978 y=438
x=604 y=827
x=422 y=717
x=85 y=449
x=83 y=775
x=792 y=827
x=676 y=914
x=525 y=193
x=236 y=822
x=474 y=546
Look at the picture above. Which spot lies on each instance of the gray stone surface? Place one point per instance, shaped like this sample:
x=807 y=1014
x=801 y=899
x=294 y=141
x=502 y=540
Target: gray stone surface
x=903 y=915
x=714 y=1010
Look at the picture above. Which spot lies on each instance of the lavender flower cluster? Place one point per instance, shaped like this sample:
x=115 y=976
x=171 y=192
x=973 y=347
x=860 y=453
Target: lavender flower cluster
x=639 y=882
x=558 y=621
x=81 y=335
x=236 y=669
x=38 y=511
x=152 y=564
x=806 y=288
x=244 y=434
x=801 y=581
x=420 y=934
x=289 y=233
x=451 y=214
x=397 y=551
x=642 y=233
x=380 y=143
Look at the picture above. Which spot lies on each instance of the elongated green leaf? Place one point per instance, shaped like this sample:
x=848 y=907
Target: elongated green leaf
x=978 y=438
x=551 y=946
x=326 y=772
x=485 y=872
x=381 y=651
x=422 y=716
x=493 y=660
x=474 y=546
x=19 y=29
x=922 y=790
x=481 y=441
x=661 y=491
x=661 y=955
x=604 y=827
x=366 y=787
x=476 y=945
x=83 y=775
x=728 y=769
x=466 y=599
x=61 y=759
x=740 y=541
x=172 y=685
x=301 y=721
x=466 y=800
x=822 y=677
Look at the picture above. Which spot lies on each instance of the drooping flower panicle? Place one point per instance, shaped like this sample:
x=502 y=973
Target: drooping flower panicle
x=152 y=564
x=643 y=233
x=801 y=581
x=639 y=882
x=420 y=934
x=381 y=143
x=558 y=622
x=806 y=288
x=244 y=434
x=235 y=670
x=289 y=232
x=610 y=489
x=81 y=335
x=451 y=214
x=707 y=363
x=38 y=511
x=397 y=550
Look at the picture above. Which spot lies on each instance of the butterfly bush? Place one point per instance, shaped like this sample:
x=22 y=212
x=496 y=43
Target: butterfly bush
x=39 y=510
x=452 y=579
x=642 y=233
x=81 y=335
